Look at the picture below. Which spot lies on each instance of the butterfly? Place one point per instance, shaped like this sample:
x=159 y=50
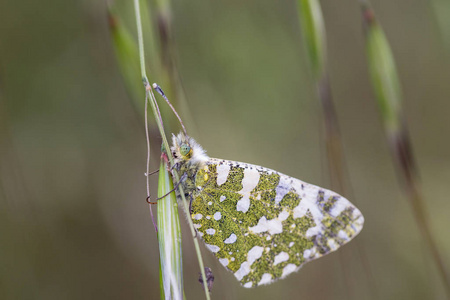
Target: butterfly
x=262 y=225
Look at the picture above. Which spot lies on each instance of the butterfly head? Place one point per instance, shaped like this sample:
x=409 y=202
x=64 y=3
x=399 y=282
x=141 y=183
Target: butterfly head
x=186 y=150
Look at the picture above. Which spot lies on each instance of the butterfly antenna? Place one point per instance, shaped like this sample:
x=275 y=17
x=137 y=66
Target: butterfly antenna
x=157 y=109
x=160 y=91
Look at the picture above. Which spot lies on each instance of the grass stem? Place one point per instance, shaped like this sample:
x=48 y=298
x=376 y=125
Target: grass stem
x=151 y=98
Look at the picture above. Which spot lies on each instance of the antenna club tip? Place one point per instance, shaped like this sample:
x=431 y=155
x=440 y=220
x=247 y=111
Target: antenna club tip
x=154 y=85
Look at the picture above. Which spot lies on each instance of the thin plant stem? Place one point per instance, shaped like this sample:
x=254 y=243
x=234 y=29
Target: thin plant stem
x=137 y=9
x=147 y=137
x=152 y=101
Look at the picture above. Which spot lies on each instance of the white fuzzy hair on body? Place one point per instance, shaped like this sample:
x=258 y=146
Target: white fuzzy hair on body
x=199 y=156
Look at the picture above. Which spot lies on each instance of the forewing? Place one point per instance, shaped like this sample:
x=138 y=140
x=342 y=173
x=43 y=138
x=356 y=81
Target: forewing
x=263 y=225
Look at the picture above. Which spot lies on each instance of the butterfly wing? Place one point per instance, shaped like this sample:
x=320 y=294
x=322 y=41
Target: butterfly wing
x=263 y=225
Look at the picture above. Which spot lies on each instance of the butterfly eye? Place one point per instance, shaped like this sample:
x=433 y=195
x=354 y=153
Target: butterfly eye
x=185 y=151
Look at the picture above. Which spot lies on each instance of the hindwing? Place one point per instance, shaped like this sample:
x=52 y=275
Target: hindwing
x=263 y=225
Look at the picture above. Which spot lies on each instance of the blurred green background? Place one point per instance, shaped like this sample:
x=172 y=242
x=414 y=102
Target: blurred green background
x=74 y=223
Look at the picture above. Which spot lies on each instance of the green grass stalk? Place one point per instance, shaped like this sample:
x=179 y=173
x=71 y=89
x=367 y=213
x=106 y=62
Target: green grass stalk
x=387 y=90
x=314 y=39
x=313 y=33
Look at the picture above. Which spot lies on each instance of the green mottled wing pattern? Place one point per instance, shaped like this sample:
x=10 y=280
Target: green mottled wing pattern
x=263 y=225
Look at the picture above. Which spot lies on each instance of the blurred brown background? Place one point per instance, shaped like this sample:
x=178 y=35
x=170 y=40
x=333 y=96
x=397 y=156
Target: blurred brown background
x=73 y=219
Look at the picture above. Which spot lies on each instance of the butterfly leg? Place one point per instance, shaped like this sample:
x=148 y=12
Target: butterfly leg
x=190 y=210
x=176 y=187
x=190 y=204
x=150 y=202
x=175 y=166
x=151 y=173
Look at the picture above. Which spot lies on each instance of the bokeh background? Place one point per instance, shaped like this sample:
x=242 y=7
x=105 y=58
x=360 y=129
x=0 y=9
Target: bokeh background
x=74 y=223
